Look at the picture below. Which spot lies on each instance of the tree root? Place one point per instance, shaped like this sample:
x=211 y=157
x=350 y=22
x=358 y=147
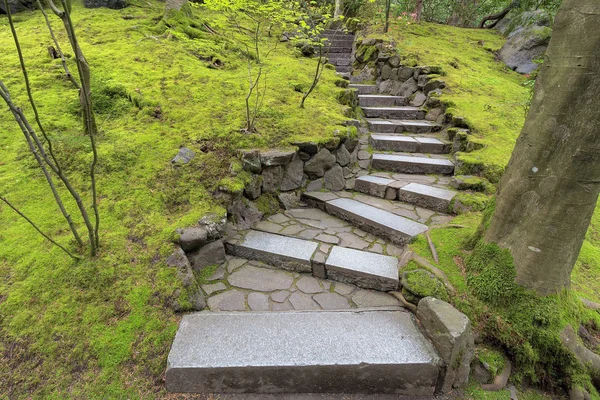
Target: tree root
x=434 y=252
x=404 y=302
x=500 y=381
x=436 y=271
x=587 y=358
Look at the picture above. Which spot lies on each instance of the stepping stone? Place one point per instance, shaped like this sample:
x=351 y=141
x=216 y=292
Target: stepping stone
x=394 y=228
x=373 y=185
x=332 y=301
x=408 y=144
x=367 y=352
x=370 y=298
x=364 y=89
x=260 y=279
x=426 y=196
x=401 y=126
x=363 y=269
x=394 y=112
x=412 y=165
x=280 y=251
x=380 y=100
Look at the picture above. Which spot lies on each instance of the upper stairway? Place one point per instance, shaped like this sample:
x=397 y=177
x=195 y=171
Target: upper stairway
x=338 y=48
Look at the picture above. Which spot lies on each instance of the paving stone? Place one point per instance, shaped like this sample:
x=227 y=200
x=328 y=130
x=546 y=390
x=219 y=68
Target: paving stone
x=326 y=285
x=258 y=301
x=280 y=296
x=309 y=234
x=372 y=298
x=376 y=248
x=218 y=275
x=352 y=240
x=235 y=263
x=393 y=250
x=232 y=300
x=364 y=269
x=325 y=248
x=335 y=231
x=360 y=233
x=308 y=284
x=292 y=230
x=301 y=301
x=336 y=352
x=278 y=218
x=208 y=255
x=327 y=239
x=215 y=287
x=424 y=213
x=373 y=185
x=406 y=213
x=343 y=289
x=260 y=279
x=382 y=223
x=267 y=226
x=318 y=265
x=281 y=251
x=285 y=306
x=426 y=196
x=331 y=301
x=412 y=165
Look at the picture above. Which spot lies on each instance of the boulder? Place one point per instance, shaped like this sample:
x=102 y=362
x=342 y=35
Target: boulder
x=523 y=47
x=342 y=156
x=386 y=72
x=184 y=156
x=251 y=161
x=180 y=261
x=244 y=213
x=405 y=73
x=18 y=6
x=406 y=89
x=433 y=85
x=321 y=162
x=418 y=100
x=214 y=225
x=293 y=174
x=434 y=114
x=309 y=148
x=272 y=178
x=253 y=189
x=421 y=283
x=210 y=254
x=334 y=179
x=272 y=158
x=394 y=61
x=289 y=201
x=112 y=4
x=450 y=333
x=192 y=238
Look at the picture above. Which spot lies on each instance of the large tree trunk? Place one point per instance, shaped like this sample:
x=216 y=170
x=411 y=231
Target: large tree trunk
x=549 y=191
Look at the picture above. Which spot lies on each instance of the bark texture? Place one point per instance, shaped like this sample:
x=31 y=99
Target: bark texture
x=549 y=191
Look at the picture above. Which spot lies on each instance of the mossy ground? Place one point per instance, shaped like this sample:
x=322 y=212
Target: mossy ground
x=101 y=328
x=490 y=96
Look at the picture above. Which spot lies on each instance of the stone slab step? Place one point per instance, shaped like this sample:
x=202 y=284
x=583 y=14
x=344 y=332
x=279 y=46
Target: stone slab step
x=345 y=75
x=392 y=227
x=281 y=251
x=363 y=269
x=402 y=126
x=368 y=352
x=336 y=32
x=343 y=68
x=375 y=186
x=364 y=89
x=412 y=165
x=380 y=100
x=337 y=49
x=394 y=112
x=426 y=196
x=340 y=41
x=409 y=144
x=339 y=61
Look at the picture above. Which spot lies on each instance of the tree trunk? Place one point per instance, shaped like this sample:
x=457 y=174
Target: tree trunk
x=338 y=8
x=550 y=188
x=388 y=6
x=419 y=10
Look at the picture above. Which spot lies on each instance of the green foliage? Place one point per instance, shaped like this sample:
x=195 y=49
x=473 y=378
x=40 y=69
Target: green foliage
x=493 y=359
x=268 y=204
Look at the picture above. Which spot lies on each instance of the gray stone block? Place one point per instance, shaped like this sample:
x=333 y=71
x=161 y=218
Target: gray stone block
x=426 y=196
x=396 y=229
x=360 y=268
x=280 y=251
x=394 y=143
x=412 y=165
x=272 y=177
x=272 y=158
x=321 y=162
x=373 y=185
x=379 y=100
x=192 y=238
x=334 y=179
x=208 y=255
x=364 y=89
x=368 y=352
x=392 y=112
x=293 y=174
x=450 y=332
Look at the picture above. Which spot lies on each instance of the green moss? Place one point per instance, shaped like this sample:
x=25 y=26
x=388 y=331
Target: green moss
x=467 y=202
x=423 y=284
x=268 y=204
x=493 y=359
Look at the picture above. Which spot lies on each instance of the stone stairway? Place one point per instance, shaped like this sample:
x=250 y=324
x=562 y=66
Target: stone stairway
x=334 y=331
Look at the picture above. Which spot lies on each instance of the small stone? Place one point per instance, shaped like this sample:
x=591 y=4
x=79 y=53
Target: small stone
x=289 y=200
x=272 y=177
x=433 y=85
x=315 y=186
x=192 y=238
x=405 y=73
x=184 y=156
x=334 y=179
x=271 y=158
x=327 y=239
x=184 y=270
x=198 y=301
x=351 y=240
x=350 y=184
x=216 y=287
x=343 y=288
x=232 y=300
x=258 y=301
x=364 y=155
x=321 y=162
x=325 y=248
x=292 y=230
x=280 y=296
x=331 y=301
x=393 y=250
x=377 y=248
x=301 y=301
x=267 y=226
x=208 y=255
x=285 y=306
x=218 y=275
x=235 y=263
x=365 y=165
x=394 y=61
x=308 y=284
x=309 y=234
x=418 y=100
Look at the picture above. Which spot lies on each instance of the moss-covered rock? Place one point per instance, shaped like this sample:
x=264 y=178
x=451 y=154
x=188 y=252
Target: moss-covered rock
x=421 y=283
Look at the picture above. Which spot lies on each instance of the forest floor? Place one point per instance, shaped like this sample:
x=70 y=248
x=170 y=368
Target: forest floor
x=102 y=328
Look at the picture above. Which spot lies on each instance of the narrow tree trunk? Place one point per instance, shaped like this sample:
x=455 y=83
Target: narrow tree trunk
x=338 y=8
x=419 y=10
x=388 y=6
x=549 y=191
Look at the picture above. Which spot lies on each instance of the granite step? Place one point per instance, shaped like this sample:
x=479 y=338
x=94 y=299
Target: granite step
x=337 y=49
x=426 y=196
x=380 y=100
x=340 y=41
x=343 y=68
x=363 y=269
x=373 y=351
x=364 y=89
x=394 y=112
x=339 y=61
x=412 y=164
x=382 y=223
x=409 y=144
x=402 y=126
x=345 y=75
x=277 y=250
x=376 y=186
